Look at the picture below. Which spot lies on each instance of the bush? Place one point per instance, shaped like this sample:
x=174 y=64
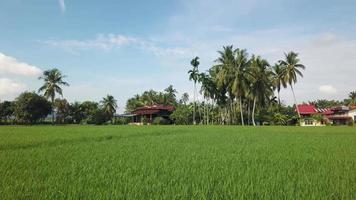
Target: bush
x=182 y=115
x=30 y=107
x=350 y=123
x=100 y=117
x=144 y=120
x=122 y=121
x=160 y=121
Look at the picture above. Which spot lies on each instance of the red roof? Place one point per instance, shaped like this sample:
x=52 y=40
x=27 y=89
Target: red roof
x=352 y=107
x=145 y=112
x=306 y=109
x=148 y=110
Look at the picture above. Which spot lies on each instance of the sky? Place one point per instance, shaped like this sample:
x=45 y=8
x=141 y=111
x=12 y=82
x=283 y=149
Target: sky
x=123 y=48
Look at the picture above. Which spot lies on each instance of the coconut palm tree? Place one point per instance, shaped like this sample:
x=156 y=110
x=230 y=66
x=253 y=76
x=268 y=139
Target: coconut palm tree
x=184 y=99
x=292 y=68
x=352 y=95
x=240 y=81
x=261 y=87
x=279 y=80
x=194 y=76
x=226 y=74
x=53 y=79
x=170 y=95
x=109 y=104
x=207 y=90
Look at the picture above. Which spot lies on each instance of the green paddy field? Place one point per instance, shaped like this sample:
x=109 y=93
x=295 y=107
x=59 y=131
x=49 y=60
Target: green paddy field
x=177 y=162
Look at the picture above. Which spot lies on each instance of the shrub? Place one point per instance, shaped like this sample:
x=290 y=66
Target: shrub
x=160 y=121
x=182 y=115
x=100 y=117
x=144 y=120
x=350 y=123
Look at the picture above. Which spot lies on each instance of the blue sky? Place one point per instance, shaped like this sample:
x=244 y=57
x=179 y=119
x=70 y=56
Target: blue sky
x=125 y=47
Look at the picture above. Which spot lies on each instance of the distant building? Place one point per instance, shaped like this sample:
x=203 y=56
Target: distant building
x=338 y=115
x=343 y=115
x=147 y=114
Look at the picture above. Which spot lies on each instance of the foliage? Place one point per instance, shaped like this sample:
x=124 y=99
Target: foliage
x=100 y=117
x=324 y=103
x=6 y=110
x=89 y=109
x=109 y=104
x=280 y=119
x=30 y=107
x=122 y=121
x=62 y=110
x=151 y=97
x=76 y=112
x=184 y=99
x=182 y=115
x=144 y=120
x=53 y=79
x=318 y=117
x=160 y=121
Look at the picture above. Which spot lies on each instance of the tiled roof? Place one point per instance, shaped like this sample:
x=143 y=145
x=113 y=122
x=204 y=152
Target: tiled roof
x=147 y=110
x=306 y=109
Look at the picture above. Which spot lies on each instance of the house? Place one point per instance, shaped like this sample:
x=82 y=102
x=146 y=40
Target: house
x=308 y=114
x=340 y=115
x=147 y=114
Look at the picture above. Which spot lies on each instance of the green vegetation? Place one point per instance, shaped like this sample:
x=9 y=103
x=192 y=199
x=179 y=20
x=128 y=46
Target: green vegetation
x=177 y=162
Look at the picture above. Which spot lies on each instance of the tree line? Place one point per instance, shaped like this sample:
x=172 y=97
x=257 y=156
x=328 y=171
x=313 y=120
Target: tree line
x=32 y=107
x=241 y=87
x=237 y=89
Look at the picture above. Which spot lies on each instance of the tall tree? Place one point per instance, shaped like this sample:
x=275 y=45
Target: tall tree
x=261 y=87
x=292 y=68
x=170 y=95
x=207 y=90
x=194 y=76
x=6 y=110
x=352 y=95
x=62 y=108
x=279 y=80
x=53 y=79
x=240 y=83
x=226 y=75
x=109 y=104
x=30 y=107
x=184 y=99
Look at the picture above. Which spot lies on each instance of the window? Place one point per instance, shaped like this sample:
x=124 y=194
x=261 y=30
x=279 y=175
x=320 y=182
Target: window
x=308 y=121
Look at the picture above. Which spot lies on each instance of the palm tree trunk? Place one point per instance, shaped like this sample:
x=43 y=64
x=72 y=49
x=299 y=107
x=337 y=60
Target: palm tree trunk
x=248 y=112
x=195 y=88
x=52 y=110
x=253 y=111
x=295 y=100
x=231 y=112
x=241 y=112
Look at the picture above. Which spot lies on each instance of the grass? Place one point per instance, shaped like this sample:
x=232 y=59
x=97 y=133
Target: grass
x=177 y=162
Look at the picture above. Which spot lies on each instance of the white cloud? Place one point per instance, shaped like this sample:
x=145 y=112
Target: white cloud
x=62 y=5
x=10 y=87
x=9 y=65
x=110 y=41
x=328 y=89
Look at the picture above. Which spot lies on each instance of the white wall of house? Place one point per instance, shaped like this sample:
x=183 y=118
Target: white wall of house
x=310 y=122
x=352 y=113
